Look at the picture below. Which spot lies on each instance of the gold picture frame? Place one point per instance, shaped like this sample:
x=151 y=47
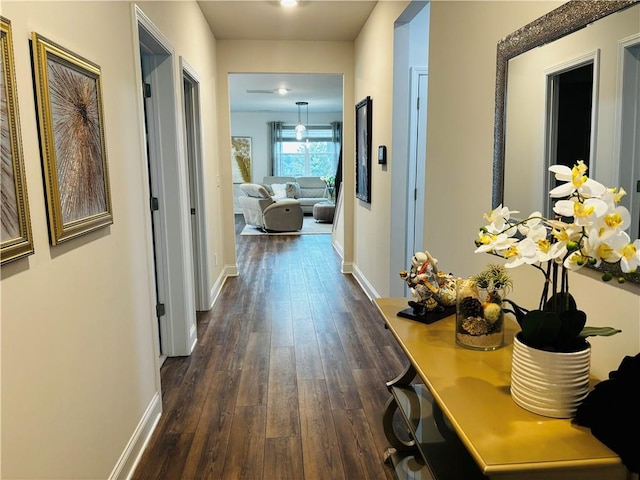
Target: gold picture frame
x=241 y=159
x=72 y=140
x=15 y=240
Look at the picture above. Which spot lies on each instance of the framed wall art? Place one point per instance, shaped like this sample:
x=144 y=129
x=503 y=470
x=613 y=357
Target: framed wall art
x=72 y=140
x=241 y=159
x=15 y=238
x=363 y=149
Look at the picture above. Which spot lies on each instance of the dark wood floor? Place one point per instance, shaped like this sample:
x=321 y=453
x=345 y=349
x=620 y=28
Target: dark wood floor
x=287 y=380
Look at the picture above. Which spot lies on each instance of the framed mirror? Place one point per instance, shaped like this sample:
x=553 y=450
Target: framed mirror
x=560 y=25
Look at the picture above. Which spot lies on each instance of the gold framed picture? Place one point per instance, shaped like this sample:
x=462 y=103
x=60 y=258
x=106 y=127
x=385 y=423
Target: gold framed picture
x=72 y=140
x=15 y=239
x=241 y=159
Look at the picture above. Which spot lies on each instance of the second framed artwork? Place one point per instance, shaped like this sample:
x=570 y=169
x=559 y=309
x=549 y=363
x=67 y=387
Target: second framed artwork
x=241 y=159
x=72 y=140
x=363 y=149
x=16 y=238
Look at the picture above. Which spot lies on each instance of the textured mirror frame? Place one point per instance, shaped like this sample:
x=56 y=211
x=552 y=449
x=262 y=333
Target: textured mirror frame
x=17 y=240
x=568 y=18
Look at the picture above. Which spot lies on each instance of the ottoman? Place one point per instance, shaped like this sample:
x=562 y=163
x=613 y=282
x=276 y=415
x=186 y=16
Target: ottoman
x=324 y=212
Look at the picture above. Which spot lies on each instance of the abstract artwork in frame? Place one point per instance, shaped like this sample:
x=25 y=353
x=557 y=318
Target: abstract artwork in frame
x=72 y=140
x=16 y=240
x=363 y=149
x=241 y=159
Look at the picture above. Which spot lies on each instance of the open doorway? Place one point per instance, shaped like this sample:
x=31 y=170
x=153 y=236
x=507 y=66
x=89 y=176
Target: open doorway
x=257 y=101
x=168 y=190
x=408 y=177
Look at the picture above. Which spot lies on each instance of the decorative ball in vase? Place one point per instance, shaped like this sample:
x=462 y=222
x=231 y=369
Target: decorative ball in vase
x=479 y=314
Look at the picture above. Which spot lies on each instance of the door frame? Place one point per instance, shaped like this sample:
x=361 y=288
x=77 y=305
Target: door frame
x=167 y=173
x=193 y=154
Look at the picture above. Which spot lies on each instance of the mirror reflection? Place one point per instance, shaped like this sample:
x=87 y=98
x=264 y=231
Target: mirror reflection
x=581 y=69
x=534 y=65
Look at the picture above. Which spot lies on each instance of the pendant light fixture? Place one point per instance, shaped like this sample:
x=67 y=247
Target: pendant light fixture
x=300 y=127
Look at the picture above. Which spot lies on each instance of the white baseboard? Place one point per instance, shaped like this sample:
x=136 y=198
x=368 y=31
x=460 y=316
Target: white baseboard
x=366 y=287
x=126 y=465
x=346 y=267
x=338 y=248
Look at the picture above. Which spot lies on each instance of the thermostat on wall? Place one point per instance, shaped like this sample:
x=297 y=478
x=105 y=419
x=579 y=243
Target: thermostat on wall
x=382 y=154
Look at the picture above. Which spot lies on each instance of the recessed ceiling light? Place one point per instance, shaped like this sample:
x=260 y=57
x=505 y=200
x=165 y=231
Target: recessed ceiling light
x=288 y=3
x=282 y=91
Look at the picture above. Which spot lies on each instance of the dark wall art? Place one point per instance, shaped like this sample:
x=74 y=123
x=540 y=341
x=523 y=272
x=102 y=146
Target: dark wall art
x=363 y=149
x=15 y=240
x=72 y=141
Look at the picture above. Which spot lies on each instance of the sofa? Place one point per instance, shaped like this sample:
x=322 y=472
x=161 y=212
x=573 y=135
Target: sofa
x=262 y=211
x=307 y=190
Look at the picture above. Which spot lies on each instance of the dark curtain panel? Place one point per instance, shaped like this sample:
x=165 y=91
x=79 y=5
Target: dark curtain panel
x=274 y=137
x=336 y=128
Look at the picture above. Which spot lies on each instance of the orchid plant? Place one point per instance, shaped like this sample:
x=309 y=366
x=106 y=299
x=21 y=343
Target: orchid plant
x=589 y=230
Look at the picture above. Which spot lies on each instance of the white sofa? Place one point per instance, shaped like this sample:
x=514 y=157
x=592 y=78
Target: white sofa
x=307 y=190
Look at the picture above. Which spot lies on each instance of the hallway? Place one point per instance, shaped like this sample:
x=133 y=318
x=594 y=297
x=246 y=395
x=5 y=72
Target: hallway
x=287 y=380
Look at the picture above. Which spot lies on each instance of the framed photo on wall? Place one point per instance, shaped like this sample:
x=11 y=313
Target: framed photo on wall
x=72 y=141
x=16 y=240
x=241 y=159
x=363 y=149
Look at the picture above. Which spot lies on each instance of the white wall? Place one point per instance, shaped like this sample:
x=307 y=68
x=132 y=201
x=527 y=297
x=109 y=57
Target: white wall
x=79 y=363
x=374 y=78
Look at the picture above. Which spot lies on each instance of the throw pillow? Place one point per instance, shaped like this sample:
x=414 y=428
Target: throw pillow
x=268 y=188
x=279 y=190
x=293 y=189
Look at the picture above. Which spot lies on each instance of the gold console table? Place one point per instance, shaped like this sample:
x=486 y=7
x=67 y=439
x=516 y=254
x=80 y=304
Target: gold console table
x=463 y=423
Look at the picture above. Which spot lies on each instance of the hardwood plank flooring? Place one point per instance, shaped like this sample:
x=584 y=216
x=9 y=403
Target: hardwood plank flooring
x=287 y=380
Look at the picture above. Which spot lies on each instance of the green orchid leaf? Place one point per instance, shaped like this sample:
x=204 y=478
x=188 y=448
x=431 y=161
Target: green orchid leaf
x=560 y=302
x=540 y=329
x=598 y=331
x=573 y=322
x=517 y=311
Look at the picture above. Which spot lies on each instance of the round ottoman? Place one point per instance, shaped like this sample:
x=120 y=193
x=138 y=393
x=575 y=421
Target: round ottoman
x=324 y=212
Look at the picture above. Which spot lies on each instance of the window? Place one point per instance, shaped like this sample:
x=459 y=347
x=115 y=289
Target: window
x=315 y=155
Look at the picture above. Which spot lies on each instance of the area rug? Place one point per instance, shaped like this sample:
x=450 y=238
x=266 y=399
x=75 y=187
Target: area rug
x=309 y=227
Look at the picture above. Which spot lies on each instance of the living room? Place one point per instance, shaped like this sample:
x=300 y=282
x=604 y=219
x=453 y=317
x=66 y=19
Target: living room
x=288 y=133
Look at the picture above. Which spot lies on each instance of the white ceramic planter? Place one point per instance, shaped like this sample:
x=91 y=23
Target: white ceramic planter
x=552 y=384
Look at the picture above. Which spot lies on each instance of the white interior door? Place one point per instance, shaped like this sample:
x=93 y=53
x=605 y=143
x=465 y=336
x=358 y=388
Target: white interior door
x=417 y=163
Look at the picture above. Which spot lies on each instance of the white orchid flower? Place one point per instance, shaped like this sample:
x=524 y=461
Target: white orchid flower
x=617 y=219
x=494 y=243
x=585 y=213
x=498 y=219
x=630 y=260
x=607 y=247
x=576 y=180
x=613 y=196
x=525 y=251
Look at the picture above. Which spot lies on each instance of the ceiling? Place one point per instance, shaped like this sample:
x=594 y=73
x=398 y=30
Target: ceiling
x=254 y=92
x=312 y=20
x=320 y=20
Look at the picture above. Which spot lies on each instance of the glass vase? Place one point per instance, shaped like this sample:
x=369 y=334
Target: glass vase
x=331 y=194
x=479 y=316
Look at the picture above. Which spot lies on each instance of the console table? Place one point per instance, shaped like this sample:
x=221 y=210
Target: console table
x=462 y=420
